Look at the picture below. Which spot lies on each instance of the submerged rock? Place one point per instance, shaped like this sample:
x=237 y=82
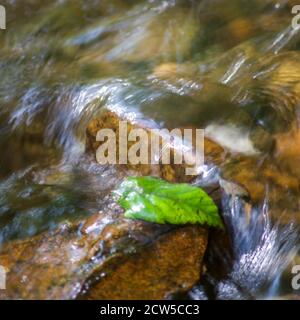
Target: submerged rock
x=25 y=147
x=261 y=179
x=266 y=184
x=144 y=33
x=287 y=151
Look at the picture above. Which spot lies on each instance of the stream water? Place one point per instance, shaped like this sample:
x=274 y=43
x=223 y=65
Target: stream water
x=231 y=67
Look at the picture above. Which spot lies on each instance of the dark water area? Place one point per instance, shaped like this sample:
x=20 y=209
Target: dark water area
x=229 y=67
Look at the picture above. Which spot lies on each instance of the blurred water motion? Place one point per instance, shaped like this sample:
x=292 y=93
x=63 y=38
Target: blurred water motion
x=232 y=67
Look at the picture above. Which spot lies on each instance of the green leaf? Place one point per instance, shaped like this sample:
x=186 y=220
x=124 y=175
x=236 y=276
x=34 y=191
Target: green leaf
x=155 y=200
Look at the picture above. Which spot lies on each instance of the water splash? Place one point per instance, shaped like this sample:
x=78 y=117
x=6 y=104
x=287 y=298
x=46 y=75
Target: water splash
x=262 y=251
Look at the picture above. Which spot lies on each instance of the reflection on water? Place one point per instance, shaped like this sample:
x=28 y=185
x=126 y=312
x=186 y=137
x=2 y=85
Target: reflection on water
x=232 y=67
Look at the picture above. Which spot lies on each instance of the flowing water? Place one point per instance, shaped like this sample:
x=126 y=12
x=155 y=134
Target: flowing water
x=231 y=67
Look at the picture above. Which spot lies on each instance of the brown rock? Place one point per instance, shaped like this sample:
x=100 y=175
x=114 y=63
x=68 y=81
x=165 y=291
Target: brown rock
x=214 y=154
x=287 y=150
x=66 y=263
x=261 y=178
x=159 y=271
x=240 y=29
